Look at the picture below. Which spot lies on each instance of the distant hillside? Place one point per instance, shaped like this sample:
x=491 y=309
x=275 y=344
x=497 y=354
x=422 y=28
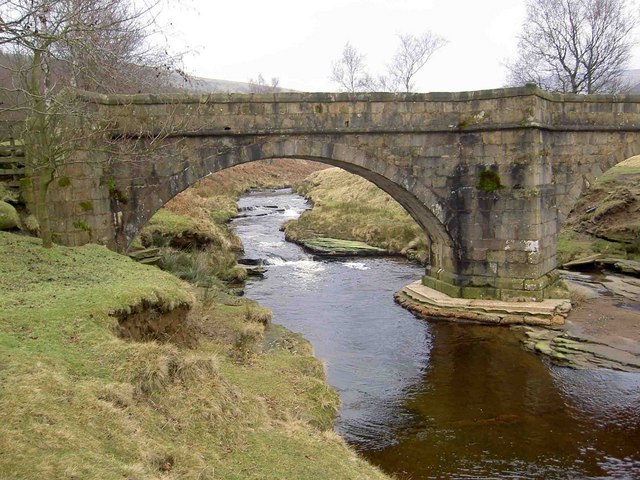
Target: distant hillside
x=210 y=85
x=632 y=77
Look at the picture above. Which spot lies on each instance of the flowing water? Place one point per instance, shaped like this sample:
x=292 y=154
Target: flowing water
x=434 y=399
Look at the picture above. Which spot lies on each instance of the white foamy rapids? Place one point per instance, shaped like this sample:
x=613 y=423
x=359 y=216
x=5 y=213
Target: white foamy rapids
x=355 y=265
x=306 y=271
x=307 y=265
x=291 y=212
x=300 y=267
x=275 y=260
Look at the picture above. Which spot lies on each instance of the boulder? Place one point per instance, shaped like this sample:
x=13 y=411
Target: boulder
x=9 y=218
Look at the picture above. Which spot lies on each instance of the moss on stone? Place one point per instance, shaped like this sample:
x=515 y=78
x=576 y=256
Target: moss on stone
x=9 y=218
x=82 y=225
x=116 y=193
x=64 y=182
x=489 y=181
x=31 y=223
x=86 y=206
x=334 y=247
x=7 y=195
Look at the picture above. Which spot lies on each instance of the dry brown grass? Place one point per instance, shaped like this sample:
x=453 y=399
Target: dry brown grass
x=349 y=207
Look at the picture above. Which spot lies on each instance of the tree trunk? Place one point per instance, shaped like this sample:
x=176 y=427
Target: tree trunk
x=40 y=188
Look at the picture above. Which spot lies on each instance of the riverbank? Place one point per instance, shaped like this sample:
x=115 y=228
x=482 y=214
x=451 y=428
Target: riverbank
x=605 y=221
x=189 y=236
x=116 y=370
x=347 y=207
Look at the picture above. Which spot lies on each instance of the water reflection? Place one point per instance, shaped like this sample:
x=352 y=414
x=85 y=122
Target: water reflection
x=487 y=410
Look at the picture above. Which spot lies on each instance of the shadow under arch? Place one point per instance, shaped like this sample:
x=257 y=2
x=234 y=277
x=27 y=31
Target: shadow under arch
x=441 y=245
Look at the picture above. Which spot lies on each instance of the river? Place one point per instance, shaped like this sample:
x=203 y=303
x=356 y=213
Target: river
x=434 y=399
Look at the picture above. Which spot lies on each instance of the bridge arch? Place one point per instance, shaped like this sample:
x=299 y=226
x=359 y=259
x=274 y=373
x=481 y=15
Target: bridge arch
x=420 y=202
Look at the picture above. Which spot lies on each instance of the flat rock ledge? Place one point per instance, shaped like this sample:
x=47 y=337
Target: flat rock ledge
x=334 y=247
x=580 y=351
x=426 y=302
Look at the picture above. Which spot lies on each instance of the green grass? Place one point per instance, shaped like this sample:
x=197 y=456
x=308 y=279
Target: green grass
x=348 y=207
x=627 y=168
x=78 y=401
x=572 y=245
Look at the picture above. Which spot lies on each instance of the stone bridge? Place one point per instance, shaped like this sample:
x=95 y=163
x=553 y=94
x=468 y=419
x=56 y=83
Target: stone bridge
x=489 y=175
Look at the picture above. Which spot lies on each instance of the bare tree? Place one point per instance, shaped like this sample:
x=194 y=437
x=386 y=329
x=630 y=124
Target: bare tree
x=349 y=72
x=412 y=55
x=575 y=46
x=50 y=46
x=260 y=85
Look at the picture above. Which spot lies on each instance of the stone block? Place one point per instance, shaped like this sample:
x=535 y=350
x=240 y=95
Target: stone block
x=537 y=284
x=484 y=269
x=516 y=256
x=537 y=321
x=512 y=320
x=507 y=295
x=519 y=270
x=446 y=288
x=496 y=256
x=534 y=257
x=479 y=293
x=509 y=283
x=479 y=254
x=481 y=281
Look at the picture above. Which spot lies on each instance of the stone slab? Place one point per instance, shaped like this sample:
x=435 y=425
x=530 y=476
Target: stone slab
x=429 y=302
x=580 y=351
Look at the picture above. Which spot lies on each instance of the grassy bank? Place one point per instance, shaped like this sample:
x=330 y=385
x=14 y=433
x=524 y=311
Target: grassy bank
x=349 y=207
x=606 y=219
x=212 y=392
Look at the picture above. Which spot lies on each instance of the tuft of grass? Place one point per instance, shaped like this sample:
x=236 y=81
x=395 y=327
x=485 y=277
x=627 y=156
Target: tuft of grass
x=203 y=268
x=489 y=181
x=620 y=172
x=572 y=245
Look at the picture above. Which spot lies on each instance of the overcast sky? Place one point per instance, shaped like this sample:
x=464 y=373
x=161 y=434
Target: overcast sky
x=297 y=40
